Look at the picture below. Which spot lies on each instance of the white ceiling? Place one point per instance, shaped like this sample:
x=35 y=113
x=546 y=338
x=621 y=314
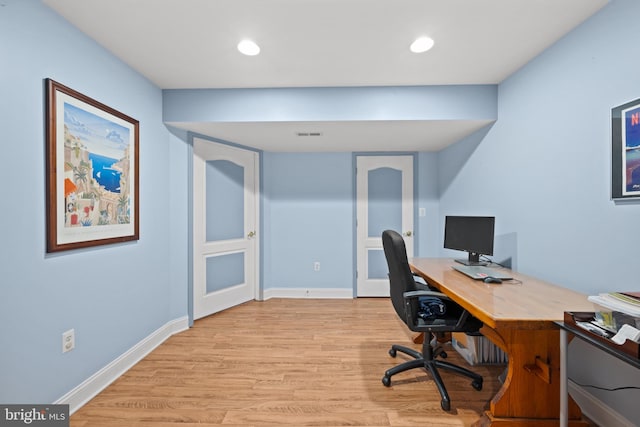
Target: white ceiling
x=179 y=44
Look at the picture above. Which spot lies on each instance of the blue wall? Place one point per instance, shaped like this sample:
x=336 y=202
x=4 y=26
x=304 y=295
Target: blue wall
x=544 y=170
x=113 y=296
x=308 y=217
x=429 y=236
x=465 y=102
x=544 y=167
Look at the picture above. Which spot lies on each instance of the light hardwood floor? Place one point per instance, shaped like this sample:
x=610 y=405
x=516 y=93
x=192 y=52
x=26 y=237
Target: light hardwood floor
x=287 y=362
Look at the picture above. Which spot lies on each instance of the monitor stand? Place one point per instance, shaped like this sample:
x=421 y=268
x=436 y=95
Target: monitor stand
x=474 y=259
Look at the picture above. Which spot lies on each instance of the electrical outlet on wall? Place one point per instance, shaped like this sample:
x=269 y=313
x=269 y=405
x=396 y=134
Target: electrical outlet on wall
x=316 y=266
x=68 y=340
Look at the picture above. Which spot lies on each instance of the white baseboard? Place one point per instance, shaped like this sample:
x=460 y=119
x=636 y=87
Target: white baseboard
x=317 y=293
x=596 y=410
x=97 y=382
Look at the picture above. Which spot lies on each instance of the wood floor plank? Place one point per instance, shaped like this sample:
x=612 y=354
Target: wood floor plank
x=286 y=362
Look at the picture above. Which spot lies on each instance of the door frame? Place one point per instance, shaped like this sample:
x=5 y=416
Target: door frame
x=354 y=180
x=258 y=292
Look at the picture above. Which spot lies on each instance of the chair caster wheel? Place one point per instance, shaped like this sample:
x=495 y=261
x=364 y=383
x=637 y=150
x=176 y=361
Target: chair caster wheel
x=392 y=352
x=443 y=354
x=445 y=404
x=386 y=381
x=477 y=384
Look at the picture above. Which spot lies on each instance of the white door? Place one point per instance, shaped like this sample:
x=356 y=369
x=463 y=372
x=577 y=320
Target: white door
x=384 y=190
x=225 y=212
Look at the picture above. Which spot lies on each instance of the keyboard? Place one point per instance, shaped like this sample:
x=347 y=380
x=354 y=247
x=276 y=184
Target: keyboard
x=477 y=272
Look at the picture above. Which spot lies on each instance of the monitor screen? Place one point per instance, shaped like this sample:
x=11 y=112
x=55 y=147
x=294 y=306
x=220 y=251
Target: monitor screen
x=473 y=234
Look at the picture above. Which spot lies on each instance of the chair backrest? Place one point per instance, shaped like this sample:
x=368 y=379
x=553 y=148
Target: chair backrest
x=400 y=276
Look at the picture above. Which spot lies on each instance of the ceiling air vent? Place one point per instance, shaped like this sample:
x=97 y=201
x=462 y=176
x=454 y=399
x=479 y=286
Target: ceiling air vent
x=309 y=133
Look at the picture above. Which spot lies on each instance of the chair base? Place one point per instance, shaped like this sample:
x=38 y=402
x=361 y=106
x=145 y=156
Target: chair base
x=426 y=361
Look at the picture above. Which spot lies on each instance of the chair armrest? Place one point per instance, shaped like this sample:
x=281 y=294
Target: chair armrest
x=416 y=294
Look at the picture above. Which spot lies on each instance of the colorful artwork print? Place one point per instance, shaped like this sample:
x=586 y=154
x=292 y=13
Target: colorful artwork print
x=97 y=159
x=92 y=172
x=631 y=150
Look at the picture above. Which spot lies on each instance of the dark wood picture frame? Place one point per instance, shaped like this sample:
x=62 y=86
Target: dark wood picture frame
x=92 y=162
x=625 y=151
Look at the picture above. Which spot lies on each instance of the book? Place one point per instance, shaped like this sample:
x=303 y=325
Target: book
x=623 y=296
x=634 y=295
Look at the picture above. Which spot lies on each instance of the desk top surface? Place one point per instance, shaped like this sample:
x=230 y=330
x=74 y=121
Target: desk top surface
x=531 y=304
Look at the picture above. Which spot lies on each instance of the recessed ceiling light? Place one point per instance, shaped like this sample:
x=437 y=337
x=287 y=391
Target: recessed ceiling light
x=421 y=44
x=248 y=47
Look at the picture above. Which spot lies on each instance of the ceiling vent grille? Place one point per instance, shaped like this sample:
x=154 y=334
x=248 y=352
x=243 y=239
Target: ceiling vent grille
x=309 y=133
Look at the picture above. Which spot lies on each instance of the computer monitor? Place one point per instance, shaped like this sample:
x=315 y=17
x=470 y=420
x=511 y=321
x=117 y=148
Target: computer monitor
x=473 y=234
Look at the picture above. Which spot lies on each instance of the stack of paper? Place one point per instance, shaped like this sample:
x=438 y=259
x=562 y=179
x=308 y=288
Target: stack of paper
x=623 y=302
x=617 y=309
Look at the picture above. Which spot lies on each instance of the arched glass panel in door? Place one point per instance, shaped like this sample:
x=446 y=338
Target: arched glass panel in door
x=384 y=213
x=224 y=217
x=224 y=200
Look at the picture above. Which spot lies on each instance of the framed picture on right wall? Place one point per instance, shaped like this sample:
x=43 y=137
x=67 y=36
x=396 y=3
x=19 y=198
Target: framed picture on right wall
x=625 y=151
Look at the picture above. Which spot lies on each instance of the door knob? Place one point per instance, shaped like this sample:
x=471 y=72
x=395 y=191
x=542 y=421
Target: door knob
x=251 y=234
x=407 y=234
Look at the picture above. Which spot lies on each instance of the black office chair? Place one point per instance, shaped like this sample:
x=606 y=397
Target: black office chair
x=405 y=296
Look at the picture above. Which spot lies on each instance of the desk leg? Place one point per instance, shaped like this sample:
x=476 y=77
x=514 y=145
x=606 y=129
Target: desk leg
x=530 y=395
x=564 y=392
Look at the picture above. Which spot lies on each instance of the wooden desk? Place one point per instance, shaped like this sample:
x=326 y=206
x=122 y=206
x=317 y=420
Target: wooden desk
x=518 y=318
